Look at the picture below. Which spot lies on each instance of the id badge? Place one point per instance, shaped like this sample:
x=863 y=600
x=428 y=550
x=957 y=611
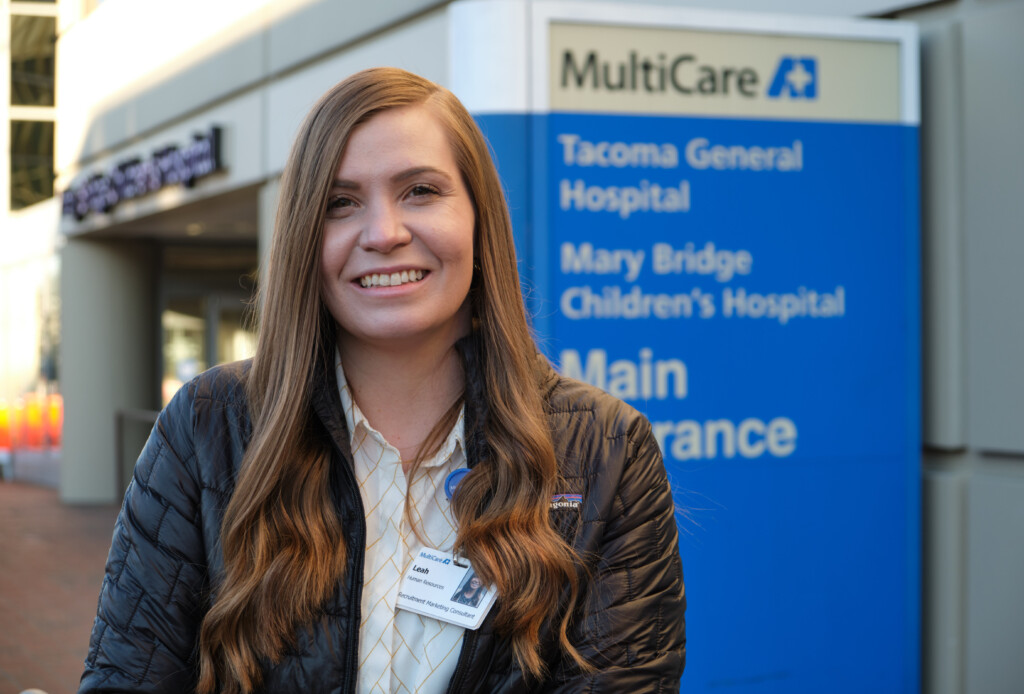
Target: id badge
x=436 y=586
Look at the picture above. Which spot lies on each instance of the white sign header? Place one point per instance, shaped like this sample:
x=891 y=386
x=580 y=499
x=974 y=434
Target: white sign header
x=629 y=69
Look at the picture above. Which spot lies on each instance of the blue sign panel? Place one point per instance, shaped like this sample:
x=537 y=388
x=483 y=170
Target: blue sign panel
x=751 y=286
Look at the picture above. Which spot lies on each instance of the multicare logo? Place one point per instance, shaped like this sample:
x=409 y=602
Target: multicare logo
x=796 y=77
x=434 y=557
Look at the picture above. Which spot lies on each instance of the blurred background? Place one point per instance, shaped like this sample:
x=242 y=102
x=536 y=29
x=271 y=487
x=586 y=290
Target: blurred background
x=181 y=115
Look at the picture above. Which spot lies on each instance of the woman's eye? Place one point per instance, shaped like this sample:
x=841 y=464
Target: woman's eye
x=423 y=190
x=338 y=205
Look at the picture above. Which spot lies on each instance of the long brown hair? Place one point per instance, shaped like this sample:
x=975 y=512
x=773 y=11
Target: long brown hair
x=282 y=539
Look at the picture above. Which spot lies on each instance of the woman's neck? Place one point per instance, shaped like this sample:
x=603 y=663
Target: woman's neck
x=403 y=395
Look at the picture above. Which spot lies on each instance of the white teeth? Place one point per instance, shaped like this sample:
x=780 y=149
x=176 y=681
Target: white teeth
x=391 y=280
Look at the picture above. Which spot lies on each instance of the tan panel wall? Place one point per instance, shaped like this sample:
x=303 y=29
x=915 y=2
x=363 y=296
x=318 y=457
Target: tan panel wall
x=107 y=352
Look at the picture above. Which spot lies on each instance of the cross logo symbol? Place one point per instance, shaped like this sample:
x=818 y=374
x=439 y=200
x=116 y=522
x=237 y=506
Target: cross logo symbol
x=796 y=77
x=799 y=78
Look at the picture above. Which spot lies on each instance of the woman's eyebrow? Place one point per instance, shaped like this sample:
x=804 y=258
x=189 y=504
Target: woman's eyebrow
x=403 y=175
x=416 y=171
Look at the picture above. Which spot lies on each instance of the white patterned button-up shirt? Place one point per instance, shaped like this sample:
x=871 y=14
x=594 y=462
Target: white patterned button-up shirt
x=400 y=651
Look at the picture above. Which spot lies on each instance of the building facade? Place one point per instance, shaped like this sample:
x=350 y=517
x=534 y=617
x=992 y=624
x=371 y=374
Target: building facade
x=173 y=124
x=30 y=405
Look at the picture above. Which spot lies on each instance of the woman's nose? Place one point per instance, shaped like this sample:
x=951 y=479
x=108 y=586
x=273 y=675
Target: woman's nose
x=384 y=230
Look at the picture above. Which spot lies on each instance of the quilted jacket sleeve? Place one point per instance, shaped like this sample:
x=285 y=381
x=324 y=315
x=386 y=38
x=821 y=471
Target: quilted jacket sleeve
x=632 y=629
x=144 y=634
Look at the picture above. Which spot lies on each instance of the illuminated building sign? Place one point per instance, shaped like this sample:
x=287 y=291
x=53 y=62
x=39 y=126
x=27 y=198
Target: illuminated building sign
x=133 y=178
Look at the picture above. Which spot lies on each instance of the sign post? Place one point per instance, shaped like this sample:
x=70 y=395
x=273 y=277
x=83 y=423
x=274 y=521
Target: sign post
x=720 y=226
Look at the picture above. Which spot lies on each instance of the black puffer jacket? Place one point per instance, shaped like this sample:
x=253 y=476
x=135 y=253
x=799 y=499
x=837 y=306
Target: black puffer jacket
x=165 y=554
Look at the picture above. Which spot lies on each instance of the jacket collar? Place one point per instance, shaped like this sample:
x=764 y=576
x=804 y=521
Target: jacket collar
x=326 y=404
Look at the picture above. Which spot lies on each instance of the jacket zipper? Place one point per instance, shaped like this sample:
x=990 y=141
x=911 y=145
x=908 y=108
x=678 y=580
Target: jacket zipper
x=352 y=666
x=356 y=594
x=462 y=666
x=355 y=578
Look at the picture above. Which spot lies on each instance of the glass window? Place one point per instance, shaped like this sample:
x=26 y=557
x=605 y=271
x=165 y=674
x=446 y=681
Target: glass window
x=184 y=329
x=31 y=162
x=33 y=51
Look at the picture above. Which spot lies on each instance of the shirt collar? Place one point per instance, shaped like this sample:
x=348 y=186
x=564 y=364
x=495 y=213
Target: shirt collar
x=355 y=420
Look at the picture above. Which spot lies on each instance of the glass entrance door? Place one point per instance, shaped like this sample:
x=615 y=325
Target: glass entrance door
x=205 y=292
x=200 y=332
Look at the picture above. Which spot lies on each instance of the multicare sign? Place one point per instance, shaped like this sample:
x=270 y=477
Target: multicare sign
x=722 y=229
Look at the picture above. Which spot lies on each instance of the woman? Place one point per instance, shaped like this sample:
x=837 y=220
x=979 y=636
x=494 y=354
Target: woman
x=278 y=503
x=471 y=592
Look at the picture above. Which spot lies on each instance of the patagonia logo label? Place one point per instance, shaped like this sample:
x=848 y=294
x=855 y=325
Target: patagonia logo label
x=566 y=500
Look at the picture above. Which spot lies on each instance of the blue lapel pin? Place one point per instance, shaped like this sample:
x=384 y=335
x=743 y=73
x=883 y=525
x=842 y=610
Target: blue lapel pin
x=451 y=482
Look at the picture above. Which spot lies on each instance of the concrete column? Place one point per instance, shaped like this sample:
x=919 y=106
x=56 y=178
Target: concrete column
x=107 y=355
x=266 y=213
x=944 y=569
x=994 y=619
x=942 y=241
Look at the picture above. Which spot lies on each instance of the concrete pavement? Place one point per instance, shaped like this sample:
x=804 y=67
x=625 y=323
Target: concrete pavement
x=51 y=569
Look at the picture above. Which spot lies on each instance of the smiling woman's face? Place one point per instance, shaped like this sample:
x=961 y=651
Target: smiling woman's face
x=397 y=257
x=474 y=583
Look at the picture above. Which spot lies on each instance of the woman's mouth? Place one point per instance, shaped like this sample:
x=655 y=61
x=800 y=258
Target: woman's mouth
x=392 y=279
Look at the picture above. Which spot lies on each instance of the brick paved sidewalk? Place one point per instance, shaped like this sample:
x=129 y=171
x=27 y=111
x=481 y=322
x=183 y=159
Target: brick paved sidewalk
x=51 y=568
